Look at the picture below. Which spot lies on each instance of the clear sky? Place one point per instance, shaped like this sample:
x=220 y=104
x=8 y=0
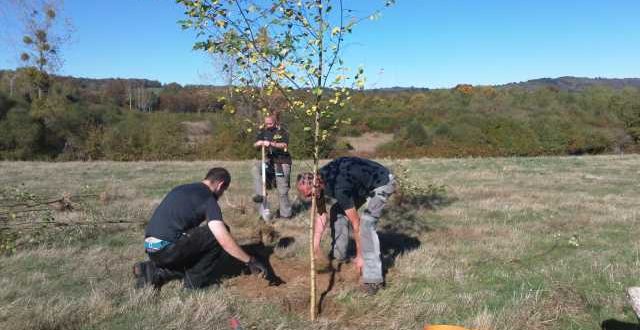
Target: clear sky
x=421 y=43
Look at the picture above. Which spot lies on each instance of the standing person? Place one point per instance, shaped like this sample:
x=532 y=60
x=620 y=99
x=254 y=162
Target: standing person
x=178 y=247
x=352 y=182
x=278 y=162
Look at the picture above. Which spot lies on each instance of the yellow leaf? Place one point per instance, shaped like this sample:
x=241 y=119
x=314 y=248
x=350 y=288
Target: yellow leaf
x=220 y=23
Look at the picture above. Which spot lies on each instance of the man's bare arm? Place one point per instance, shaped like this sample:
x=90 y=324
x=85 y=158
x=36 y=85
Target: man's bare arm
x=227 y=242
x=354 y=218
x=320 y=226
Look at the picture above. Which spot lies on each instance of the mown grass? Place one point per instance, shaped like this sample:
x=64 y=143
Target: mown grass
x=520 y=243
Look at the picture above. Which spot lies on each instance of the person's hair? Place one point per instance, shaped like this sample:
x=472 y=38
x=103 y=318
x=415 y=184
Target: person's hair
x=219 y=174
x=305 y=178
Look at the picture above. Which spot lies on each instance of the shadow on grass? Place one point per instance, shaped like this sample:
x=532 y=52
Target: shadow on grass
x=613 y=324
x=398 y=233
x=428 y=201
x=332 y=281
x=228 y=267
x=392 y=245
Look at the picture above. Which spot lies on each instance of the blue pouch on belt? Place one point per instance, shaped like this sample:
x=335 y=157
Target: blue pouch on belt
x=156 y=246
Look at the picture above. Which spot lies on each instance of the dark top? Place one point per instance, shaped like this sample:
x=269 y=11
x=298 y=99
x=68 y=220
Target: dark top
x=279 y=135
x=349 y=178
x=184 y=207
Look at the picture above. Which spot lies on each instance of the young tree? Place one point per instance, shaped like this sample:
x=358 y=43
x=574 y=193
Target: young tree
x=287 y=49
x=43 y=36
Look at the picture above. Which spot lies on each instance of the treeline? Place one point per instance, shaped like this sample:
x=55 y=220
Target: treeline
x=124 y=119
x=487 y=121
x=135 y=119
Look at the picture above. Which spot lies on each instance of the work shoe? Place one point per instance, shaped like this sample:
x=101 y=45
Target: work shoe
x=370 y=289
x=146 y=273
x=257 y=198
x=141 y=274
x=280 y=216
x=266 y=216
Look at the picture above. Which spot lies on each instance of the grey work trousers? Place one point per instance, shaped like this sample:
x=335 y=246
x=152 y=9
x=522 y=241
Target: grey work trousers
x=282 y=185
x=341 y=227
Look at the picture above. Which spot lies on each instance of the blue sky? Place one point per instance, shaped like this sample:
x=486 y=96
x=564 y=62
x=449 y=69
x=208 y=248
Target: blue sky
x=421 y=43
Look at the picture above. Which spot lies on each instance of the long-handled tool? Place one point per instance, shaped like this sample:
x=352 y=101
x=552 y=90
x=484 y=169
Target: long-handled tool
x=265 y=209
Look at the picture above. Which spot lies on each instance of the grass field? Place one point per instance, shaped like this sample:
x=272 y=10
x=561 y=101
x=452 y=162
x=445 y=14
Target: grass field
x=515 y=243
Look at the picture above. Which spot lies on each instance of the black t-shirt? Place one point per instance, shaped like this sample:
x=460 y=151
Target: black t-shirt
x=350 y=178
x=184 y=207
x=279 y=135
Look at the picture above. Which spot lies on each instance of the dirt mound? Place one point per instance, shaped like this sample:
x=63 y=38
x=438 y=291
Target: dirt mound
x=288 y=285
x=293 y=295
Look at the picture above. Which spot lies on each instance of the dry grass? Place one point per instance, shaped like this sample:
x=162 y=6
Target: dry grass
x=523 y=243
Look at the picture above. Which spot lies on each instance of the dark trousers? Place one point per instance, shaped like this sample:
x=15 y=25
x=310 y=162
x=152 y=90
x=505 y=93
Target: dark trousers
x=192 y=258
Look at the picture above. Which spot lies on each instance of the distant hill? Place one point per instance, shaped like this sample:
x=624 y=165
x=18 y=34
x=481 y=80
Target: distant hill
x=561 y=83
x=567 y=83
x=97 y=83
x=576 y=83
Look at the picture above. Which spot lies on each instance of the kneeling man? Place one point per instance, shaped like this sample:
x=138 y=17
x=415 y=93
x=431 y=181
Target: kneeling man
x=178 y=247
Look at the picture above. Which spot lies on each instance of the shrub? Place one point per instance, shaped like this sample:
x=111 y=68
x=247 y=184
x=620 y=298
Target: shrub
x=19 y=135
x=510 y=138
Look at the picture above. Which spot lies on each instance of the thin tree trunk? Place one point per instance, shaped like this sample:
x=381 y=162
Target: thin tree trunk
x=11 y=84
x=316 y=160
x=314 y=206
x=130 y=92
x=263 y=171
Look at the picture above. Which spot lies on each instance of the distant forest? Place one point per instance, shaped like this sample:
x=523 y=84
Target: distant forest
x=138 y=119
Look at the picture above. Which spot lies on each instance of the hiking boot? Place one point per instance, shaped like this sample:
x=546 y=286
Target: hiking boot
x=280 y=216
x=146 y=273
x=370 y=289
x=257 y=198
x=141 y=275
x=266 y=216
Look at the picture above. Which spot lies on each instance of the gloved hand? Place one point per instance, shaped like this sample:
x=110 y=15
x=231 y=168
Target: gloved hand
x=257 y=267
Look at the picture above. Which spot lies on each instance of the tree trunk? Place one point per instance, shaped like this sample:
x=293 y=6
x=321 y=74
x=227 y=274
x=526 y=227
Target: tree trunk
x=314 y=206
x=11 y=84
x=316 y=161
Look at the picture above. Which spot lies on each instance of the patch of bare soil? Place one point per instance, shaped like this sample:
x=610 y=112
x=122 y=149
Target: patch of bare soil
x=367 y=143
x=293 y=295
x=197 y=131
x=288 y=284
